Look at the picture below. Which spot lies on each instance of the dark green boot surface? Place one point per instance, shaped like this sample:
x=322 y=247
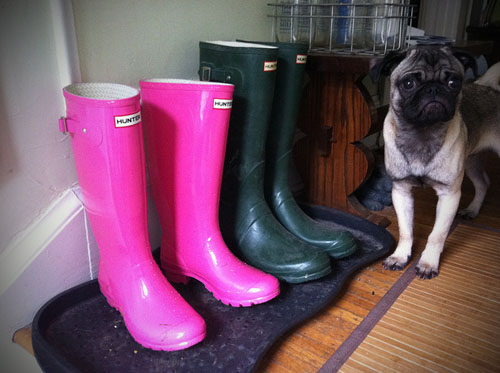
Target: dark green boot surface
x=287 y=95
x=247 y=224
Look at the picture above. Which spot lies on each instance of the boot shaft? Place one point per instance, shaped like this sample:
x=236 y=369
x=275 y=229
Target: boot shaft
x=104 y=123
x=287 y=94
x=252 y=70
x=286 y=105
x=185 y=126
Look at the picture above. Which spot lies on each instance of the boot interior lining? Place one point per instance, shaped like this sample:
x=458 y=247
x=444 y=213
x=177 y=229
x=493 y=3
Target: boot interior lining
x=102 y=91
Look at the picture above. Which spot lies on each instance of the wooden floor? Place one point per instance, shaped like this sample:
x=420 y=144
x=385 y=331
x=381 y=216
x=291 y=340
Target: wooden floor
x=308 y=348
x=451 y=323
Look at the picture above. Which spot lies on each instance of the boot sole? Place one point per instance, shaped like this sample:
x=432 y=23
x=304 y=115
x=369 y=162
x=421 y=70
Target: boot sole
x=290 y=278
x=180 y=276
x=157 y=347
x=340 y=254
x=175 y=347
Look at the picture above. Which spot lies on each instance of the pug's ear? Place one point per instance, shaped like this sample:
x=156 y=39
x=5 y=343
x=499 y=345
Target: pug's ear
x=386 y=65
x=467 y=60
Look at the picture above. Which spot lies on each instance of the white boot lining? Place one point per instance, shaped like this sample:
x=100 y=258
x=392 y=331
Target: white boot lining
x=102 y=91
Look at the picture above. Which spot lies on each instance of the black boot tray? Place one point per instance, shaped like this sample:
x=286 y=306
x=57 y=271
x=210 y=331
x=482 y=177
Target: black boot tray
x=78 y=331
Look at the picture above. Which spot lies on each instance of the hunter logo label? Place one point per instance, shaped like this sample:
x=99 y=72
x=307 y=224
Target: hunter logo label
x=301 y=58
x=127 y=120
x=270 y=65
x=222 y=104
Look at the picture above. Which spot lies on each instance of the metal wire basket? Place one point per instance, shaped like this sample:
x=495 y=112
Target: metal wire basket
x=366 y=27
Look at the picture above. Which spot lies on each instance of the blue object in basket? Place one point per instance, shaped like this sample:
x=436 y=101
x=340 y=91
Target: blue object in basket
x=343 y=23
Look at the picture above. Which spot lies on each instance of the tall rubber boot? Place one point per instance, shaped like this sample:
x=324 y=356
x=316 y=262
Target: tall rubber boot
x=186 y=125
x=247 y=223
x=104 y=122
x=287 y=94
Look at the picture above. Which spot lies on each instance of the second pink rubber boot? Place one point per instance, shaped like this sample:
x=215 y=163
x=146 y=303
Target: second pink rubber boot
x=186 y=124
x=104 y=122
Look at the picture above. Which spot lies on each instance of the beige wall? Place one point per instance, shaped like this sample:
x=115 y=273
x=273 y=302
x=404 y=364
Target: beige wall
x=123 y=41
x=36 y=162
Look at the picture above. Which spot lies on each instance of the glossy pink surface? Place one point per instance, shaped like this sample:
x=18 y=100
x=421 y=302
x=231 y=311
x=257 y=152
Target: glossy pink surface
x=106 y=134
x=186 y=124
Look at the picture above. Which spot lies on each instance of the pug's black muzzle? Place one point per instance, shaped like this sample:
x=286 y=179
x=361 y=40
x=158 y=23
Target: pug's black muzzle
x=431 y=104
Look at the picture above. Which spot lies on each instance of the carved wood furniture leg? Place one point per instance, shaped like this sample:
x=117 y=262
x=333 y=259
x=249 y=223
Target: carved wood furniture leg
x=337 y=112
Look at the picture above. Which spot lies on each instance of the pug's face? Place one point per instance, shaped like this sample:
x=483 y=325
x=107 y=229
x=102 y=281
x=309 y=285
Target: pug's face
x=426 y=86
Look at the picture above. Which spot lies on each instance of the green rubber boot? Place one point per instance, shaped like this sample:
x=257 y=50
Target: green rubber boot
x=247 y=224
x=287 y=93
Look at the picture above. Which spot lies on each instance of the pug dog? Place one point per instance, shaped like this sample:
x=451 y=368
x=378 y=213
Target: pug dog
x=435 y=129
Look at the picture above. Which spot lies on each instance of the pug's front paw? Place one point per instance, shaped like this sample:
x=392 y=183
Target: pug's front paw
x=426 y=271
x=467 y=214
x=395 y=263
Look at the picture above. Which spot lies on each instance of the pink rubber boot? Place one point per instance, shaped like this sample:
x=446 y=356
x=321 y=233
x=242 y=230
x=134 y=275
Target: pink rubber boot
x=104 y=121
x=186 y=124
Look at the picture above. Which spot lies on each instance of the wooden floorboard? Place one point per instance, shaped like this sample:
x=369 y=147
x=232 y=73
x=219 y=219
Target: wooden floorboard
x=461 y=335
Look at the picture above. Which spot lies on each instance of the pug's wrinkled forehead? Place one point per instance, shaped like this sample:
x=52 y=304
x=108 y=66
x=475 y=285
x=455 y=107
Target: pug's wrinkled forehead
x=430 y=63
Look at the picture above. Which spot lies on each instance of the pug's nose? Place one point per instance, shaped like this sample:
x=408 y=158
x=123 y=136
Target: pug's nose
x=432 y=90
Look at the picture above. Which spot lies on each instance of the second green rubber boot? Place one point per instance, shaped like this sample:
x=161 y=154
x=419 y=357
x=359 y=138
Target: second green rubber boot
x=247 y=224
x=287 y=94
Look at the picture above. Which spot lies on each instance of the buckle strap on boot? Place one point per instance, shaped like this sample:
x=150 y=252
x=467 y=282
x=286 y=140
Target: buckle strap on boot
x=214 y=74
x=63 y=125
x=92 y=133
x=68 y=125
x=208 y=74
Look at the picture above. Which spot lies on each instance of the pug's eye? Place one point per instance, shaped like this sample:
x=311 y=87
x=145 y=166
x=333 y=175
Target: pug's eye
x=409 y=83
x=453 y=84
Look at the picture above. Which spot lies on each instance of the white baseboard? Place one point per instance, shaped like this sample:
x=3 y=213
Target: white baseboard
x=55 y=253
x=27 y=246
